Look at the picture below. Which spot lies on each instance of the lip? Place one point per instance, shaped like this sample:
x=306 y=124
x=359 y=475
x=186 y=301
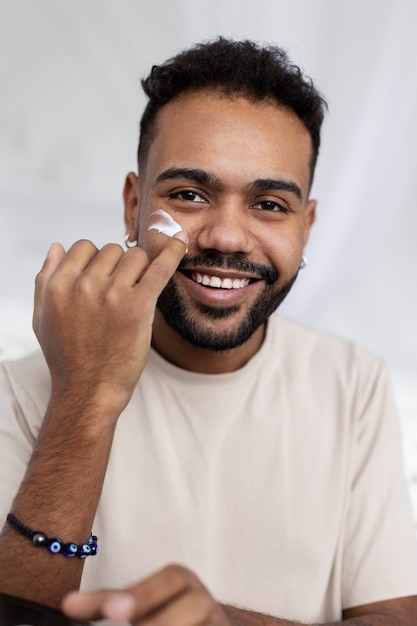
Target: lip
x=218 y=296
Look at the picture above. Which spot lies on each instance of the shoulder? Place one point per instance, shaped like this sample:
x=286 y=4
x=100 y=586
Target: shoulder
x=325 y=363
x=306 y=344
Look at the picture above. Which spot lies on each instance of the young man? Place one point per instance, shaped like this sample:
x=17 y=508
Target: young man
x=179 y=418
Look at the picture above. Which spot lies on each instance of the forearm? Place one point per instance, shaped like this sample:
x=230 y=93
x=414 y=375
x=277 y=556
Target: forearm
x=93 y=316
x=242 y=617
x=58 y=496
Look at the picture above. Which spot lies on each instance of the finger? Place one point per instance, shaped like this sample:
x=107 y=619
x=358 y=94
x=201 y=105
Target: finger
x=105 y=261
x=136 y=601
x=188 y=609
x=53 y=258
x=162 y=587
x=163 y=267
x=131 y=267
x=78 y=257
x=115 y=605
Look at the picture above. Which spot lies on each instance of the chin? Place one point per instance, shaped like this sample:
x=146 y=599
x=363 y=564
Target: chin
x=217 y=329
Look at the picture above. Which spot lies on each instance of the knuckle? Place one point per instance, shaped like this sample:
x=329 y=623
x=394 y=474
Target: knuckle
x=39 y=278
x=83 y=247
x=39 y=286
x=139 y=253
x=181 y=577
x=201 y=603
x=84 y=243
x=176 y=575
x=162 y=272
x=114 y=248
x=56 y=283
x=111 y=298
x=84 y=286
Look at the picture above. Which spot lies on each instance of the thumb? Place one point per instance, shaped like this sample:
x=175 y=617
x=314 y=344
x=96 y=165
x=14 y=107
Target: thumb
x=162 y=268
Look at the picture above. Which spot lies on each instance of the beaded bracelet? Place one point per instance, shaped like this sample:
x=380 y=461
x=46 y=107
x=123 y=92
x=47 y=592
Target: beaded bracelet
x=54 y=545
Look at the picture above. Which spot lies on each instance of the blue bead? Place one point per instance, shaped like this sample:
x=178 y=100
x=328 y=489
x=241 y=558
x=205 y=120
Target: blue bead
x=70 y=549
x=55 y=545
x=84 y=551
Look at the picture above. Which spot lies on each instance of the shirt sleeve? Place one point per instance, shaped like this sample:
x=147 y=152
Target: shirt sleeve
x=380 y=555
x=20 y=418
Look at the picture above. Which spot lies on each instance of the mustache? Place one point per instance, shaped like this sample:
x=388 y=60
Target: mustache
x=214 y=260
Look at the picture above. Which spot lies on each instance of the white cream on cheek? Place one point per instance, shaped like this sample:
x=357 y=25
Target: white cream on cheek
x=163 y=223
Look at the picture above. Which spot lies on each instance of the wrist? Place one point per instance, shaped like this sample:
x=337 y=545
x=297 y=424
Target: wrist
x=107 y=397
x=81 y=414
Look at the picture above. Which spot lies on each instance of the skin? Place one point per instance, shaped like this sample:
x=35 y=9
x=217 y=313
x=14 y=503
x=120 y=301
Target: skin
x=230 y=213
x=96 y=316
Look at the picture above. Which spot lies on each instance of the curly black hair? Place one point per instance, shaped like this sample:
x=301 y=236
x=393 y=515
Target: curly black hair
x=242 y=68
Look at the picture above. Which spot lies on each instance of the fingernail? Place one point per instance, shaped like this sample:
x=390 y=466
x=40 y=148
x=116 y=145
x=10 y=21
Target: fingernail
x=182 y=236
x=51 y=247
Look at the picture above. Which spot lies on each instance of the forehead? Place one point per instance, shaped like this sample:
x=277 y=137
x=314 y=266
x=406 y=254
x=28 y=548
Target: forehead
x=233 y=137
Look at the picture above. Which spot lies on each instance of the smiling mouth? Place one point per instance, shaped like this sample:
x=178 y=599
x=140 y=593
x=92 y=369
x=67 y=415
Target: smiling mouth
x=208 y=280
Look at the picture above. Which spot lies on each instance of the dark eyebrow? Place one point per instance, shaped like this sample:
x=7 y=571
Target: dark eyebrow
x=202 y=177
x=270 y=184
x=195 y=175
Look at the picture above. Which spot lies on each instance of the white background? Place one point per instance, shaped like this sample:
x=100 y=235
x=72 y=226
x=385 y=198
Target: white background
x=69 y=110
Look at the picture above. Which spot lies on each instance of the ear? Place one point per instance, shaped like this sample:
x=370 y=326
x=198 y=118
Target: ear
x=131 y=196
x=310 y=217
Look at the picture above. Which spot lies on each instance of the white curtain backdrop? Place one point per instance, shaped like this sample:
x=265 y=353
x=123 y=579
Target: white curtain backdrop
x=69 y=109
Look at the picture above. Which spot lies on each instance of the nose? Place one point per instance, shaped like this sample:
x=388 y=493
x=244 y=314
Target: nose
x=226 y=229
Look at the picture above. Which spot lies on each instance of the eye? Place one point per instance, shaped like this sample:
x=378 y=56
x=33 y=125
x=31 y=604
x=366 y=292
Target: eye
x=271 y=206
x=188 y=195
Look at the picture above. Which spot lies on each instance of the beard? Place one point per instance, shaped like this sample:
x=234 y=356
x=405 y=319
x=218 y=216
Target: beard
x=192 y=327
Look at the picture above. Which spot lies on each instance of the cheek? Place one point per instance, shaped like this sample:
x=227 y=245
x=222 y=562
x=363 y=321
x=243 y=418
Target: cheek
x=283 y=249
x=192 y=224
x=163 y=222
x=152 y=242
x=154 y=229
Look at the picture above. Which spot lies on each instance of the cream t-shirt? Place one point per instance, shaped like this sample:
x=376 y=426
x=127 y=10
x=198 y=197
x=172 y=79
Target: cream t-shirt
x=281 y=485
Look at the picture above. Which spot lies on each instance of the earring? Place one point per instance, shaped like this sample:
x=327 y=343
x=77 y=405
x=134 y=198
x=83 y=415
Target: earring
x=130 y=244
x=304 y=262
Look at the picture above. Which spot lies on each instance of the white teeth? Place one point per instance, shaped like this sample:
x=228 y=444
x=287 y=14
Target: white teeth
x=220 y=283
x=215 y=281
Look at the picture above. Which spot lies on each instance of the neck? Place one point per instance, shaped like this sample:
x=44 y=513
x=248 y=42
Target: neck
x=173 y=348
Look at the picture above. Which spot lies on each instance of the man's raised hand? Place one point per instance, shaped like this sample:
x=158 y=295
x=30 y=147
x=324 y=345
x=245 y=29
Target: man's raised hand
x=93 y=317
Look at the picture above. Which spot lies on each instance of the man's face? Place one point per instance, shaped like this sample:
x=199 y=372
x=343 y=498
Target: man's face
x=235 y=175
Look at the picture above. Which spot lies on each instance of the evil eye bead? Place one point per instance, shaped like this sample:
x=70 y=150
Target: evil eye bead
x=70 y=549
x=39 y=539
x=55 y=545
x=84 y=551
x=92 y=542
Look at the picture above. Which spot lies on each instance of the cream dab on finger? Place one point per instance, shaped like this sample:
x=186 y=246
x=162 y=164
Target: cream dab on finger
x=163 y=223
